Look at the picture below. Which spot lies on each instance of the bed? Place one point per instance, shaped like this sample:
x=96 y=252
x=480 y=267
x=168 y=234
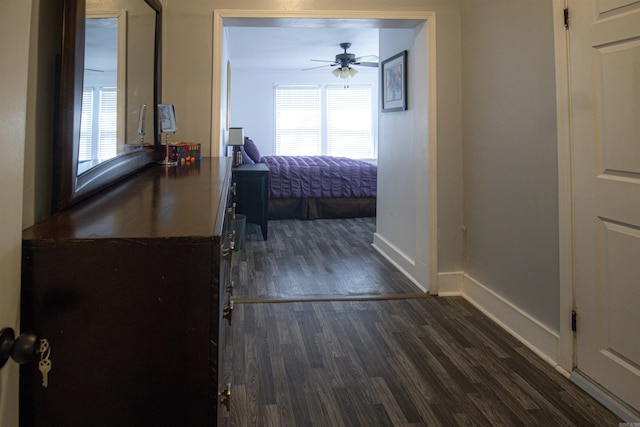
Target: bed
x=312 y=187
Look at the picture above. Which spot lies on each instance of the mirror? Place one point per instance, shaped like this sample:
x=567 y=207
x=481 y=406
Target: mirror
x=109 y=82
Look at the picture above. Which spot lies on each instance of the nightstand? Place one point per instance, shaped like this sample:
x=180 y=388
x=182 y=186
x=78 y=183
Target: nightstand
x=252 y=193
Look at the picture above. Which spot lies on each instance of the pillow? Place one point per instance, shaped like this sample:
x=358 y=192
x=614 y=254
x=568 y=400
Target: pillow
x=252 y=150
x=245 y=157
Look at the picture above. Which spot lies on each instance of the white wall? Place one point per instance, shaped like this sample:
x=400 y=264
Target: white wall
x=510 y=166
x=402 y=135
x=225 y=99
x=187 y=68
x=15 y=34
x=252 y=98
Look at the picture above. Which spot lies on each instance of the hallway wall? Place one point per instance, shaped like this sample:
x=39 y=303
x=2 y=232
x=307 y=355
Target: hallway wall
x=402 y=231
x=510 y=157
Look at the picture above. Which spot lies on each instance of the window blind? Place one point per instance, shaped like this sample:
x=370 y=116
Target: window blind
x=349 y=122
x=107 y=139
x=86 y=125
x=345 y=120
x=298 y=120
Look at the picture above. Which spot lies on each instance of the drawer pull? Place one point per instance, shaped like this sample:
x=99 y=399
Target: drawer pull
x=228 y=312
x=225 y=252
x=230 y=288
x=232 y=211
x=225 y=397
x=233 y=188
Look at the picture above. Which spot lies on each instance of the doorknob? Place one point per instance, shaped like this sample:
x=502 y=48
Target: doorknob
x=21 y=349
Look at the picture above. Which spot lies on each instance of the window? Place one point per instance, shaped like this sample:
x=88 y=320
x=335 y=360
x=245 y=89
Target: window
x=86 y=125
x=349 y=124
x=98 y=106
x=341 y=126
x=298 y=120
x=107 y=139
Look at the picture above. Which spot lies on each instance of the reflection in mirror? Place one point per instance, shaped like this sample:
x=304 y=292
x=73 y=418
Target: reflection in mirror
x=114 y=47
x=118 y=80
x=140 y=71
x=102 y=122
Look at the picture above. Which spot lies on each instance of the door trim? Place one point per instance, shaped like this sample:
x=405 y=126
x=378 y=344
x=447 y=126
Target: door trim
x=566 y=347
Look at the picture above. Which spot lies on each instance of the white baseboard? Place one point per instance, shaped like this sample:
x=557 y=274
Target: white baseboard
x=526 y=329
x=450 y=283
x=396 y=257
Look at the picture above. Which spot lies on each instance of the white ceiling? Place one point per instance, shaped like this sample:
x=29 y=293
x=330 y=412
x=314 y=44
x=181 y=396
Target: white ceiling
x=278 y=48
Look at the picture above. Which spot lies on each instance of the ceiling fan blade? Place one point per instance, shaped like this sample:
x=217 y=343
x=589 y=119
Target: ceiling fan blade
x=320 y=66
x=320 y=60
x=358 y=59
x=367 y=64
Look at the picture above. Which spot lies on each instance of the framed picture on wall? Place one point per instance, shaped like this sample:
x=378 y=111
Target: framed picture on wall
x=394 y=83
x=167 y=113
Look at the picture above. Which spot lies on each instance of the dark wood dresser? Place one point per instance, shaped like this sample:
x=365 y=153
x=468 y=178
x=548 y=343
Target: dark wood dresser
x=132 y=290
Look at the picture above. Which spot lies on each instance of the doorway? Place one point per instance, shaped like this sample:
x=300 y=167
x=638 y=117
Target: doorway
x=410 y=243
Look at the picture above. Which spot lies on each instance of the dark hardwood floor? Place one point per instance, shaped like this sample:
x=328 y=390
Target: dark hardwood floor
x=316 y=259
x=410 y=360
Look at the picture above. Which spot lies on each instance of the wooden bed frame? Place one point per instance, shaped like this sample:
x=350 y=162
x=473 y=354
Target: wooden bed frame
x=322 y=208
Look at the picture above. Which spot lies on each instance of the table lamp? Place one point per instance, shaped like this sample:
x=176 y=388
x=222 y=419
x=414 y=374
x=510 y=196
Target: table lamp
x=236 y=139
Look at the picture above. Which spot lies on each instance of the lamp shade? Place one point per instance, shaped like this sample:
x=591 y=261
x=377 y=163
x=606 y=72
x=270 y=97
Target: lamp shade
x=236 y=136
x=344 y=72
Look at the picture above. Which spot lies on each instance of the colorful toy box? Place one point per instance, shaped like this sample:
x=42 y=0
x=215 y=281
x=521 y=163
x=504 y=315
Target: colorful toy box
x=184 y=152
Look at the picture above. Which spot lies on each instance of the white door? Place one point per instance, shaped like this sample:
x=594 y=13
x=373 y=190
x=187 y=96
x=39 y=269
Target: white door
x=15 y=22
x=604 y=37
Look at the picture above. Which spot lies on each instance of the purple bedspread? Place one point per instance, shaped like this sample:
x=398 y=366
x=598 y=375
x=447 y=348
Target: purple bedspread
x=320 y=176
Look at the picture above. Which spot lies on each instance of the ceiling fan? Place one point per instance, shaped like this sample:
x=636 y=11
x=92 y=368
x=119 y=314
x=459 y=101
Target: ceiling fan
x=344 y=61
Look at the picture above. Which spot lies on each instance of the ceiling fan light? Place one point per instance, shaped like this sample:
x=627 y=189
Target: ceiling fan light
x=336 y=72
x=352 y=72
x=344 y=72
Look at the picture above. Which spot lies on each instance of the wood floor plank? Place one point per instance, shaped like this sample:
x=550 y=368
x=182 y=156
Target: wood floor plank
x=384 y=396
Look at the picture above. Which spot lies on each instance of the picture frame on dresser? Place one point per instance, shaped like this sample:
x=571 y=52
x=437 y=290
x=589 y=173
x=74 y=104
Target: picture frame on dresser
x=167 y=113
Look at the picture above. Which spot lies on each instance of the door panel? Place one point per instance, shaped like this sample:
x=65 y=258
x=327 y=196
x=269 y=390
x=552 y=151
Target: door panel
x=605 y=98
x=621 y=252
x=618 y=65
x=605 y=6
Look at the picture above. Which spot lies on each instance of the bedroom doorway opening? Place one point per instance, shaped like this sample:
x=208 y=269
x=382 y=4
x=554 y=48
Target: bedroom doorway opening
x=406 y=223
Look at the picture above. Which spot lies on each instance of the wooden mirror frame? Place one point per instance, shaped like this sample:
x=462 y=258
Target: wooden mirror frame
x=68 y=187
